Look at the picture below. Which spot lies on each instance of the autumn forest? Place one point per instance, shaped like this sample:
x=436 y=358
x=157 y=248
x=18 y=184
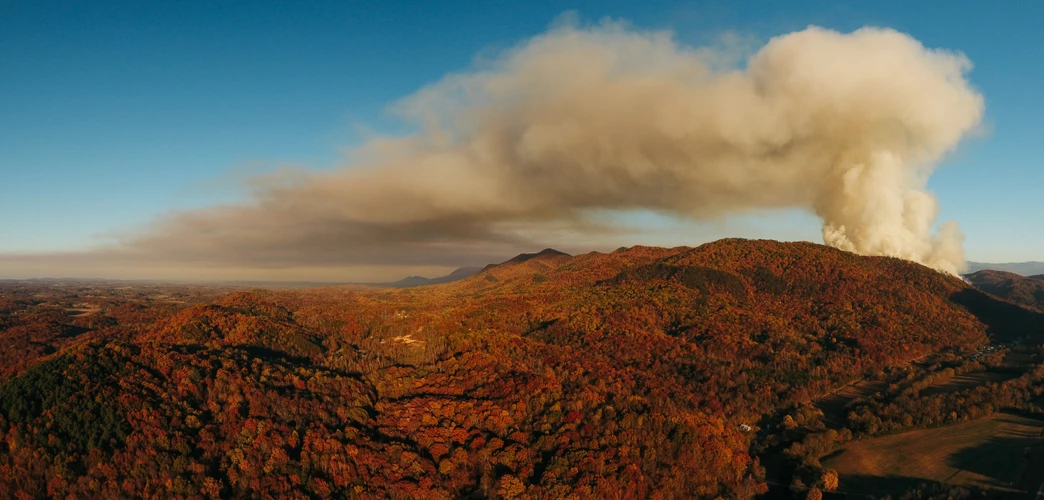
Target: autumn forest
x=732 y=370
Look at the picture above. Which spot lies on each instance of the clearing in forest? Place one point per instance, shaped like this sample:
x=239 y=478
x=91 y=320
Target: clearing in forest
x=991 y=452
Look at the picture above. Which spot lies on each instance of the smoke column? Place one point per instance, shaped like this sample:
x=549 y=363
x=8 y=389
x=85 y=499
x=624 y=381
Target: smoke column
x=578 y=121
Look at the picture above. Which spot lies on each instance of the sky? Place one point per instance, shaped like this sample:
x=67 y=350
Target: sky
x=115 y=115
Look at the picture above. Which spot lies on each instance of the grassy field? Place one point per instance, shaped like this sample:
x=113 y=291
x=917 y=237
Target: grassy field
x=987 y=453
x=967 y=381
x=833 y=406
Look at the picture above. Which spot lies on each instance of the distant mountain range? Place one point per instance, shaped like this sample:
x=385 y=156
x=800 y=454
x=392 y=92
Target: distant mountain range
x=1023 y=268
x=1020 y=268
x=412 y=281
x=467 y=272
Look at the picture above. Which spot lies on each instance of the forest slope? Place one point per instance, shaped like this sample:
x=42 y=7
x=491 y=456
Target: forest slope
x=622 y=374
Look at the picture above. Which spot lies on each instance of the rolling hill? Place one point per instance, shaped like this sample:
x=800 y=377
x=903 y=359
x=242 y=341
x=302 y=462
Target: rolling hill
x=1026 y=291
x=638 y=373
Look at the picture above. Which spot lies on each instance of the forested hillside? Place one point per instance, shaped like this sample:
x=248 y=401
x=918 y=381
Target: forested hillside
x=645 y=372
x=1026 y=291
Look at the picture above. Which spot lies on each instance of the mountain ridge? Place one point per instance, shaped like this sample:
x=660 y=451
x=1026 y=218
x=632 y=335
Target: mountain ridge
x=415 y=281
x=1027 y=268
x=1026 y=291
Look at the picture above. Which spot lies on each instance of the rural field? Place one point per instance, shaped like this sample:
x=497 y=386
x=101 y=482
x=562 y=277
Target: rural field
x=988 y=453
x=967 y=381
x=833 y=406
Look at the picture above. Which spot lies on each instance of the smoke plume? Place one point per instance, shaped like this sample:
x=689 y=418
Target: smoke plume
x=533 y=143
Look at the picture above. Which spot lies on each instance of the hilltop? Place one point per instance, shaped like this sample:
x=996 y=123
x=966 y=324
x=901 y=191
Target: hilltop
x=645 y=371
x=547 y=254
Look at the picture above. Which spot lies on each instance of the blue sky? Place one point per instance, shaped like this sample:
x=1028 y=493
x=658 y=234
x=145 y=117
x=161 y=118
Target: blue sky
x=112 y=113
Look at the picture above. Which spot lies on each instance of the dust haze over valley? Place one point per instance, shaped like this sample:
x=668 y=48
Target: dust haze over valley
x=538 y=145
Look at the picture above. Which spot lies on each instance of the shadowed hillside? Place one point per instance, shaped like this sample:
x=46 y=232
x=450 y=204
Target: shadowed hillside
x=1026 y=291
x=641 y=372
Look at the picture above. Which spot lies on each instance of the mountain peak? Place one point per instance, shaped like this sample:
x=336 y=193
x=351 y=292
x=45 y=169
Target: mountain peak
x=547 y=253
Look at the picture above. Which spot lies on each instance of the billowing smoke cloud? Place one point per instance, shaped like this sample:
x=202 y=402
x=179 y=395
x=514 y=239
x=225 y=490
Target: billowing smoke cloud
x=536 y=142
